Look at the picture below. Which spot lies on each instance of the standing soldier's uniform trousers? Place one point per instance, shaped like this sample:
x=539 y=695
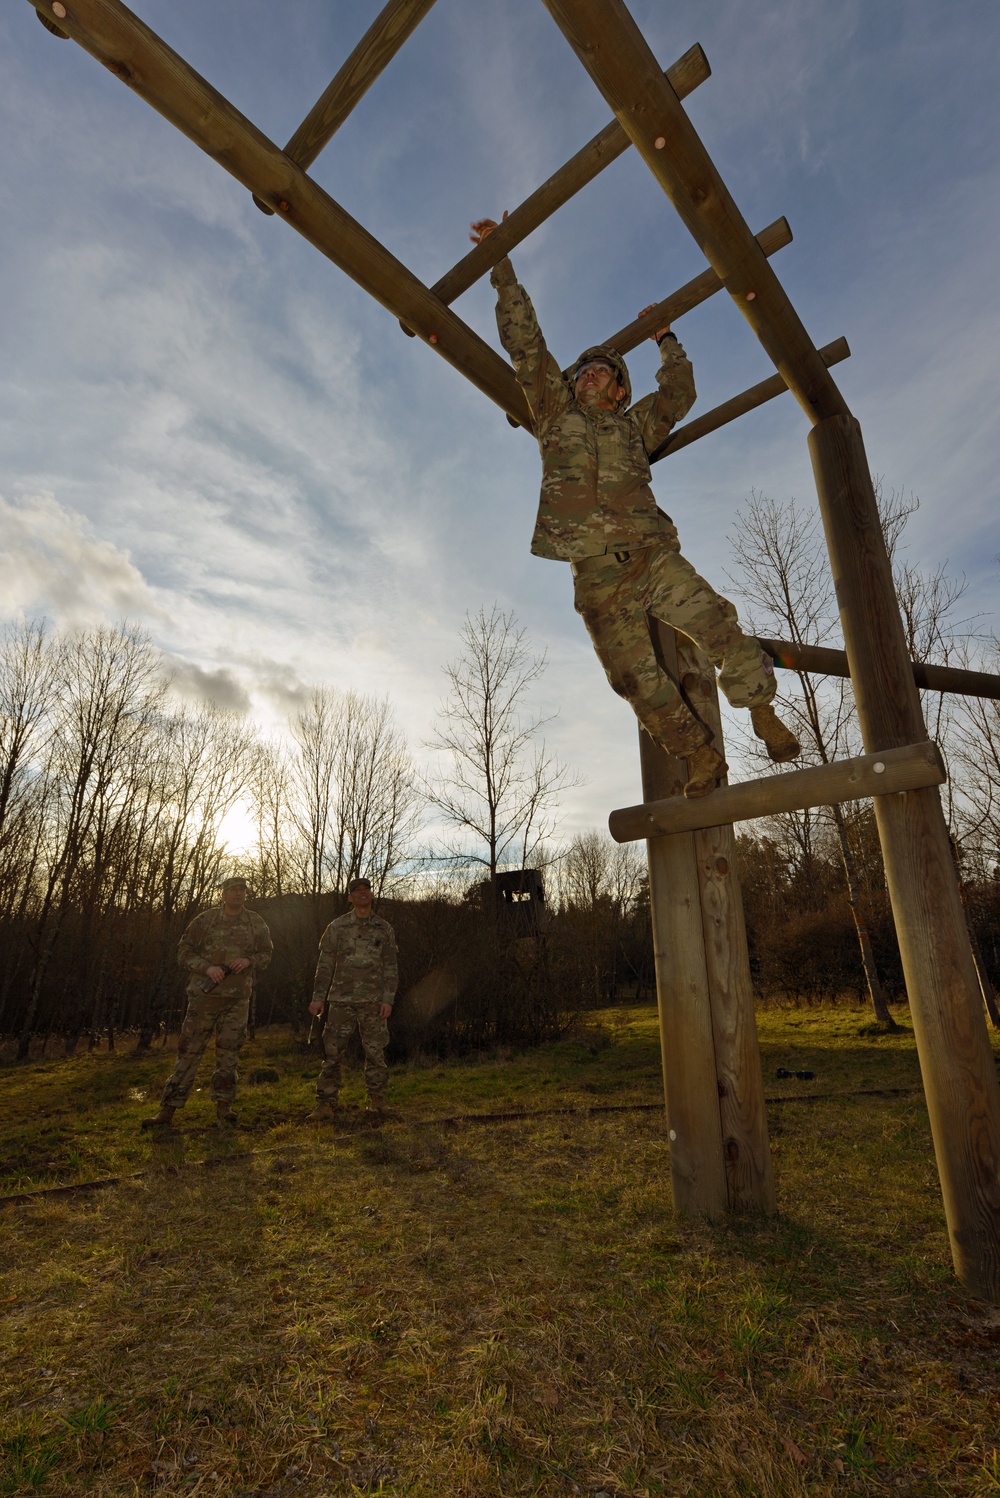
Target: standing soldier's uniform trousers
x=597 y=511
x=214 y=939
x=356 y=974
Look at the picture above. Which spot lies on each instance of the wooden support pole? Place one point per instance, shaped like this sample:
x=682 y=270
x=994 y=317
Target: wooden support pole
x=607 y=145
x=739 y=405
x=824 y=661
x=687 y=1043
x=881 y=774
x=124 y=44
x=614 y=52
x=740 y=1082
x=772 y=239
x=960 y=1080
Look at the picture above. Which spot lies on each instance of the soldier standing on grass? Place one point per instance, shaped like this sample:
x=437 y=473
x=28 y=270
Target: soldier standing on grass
x=222 y=949
x=356 y=978
x=597 y=512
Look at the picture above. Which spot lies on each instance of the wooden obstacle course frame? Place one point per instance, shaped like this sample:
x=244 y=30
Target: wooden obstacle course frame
x=963 y=1096
x=891 y=771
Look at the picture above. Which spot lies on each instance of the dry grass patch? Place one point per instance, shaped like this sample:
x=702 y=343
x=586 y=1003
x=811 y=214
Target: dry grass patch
x=479 y=1311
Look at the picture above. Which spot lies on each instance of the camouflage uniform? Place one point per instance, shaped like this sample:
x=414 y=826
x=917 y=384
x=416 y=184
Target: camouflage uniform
x=355 y=974
x=597 y=511
x=214 y=939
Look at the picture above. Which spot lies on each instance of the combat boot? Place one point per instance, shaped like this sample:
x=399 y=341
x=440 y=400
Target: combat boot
x=324 y=1112
x=779 y=740
x=376 y=1103
x=163 y=1120
x=224 y=1116
x=705 y=767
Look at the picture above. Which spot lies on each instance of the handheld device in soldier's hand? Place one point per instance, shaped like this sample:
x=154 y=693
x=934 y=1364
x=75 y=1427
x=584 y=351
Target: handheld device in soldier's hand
x=318 y=1024
x=227 y=972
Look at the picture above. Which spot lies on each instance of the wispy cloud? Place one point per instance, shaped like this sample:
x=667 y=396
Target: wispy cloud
x=52 y=563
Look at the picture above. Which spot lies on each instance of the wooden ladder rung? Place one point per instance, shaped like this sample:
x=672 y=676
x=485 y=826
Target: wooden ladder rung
x=906 y=769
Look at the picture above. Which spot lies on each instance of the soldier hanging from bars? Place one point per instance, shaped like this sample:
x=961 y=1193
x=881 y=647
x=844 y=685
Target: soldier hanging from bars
x=597 y=511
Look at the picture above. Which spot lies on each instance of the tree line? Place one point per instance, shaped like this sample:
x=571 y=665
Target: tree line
x=113 y=800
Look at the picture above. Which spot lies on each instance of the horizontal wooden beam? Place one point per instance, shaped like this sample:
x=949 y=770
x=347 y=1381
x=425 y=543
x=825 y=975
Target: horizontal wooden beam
x=110 y=32
x=822 y=660
x=607 y=145
x=772 y=239
x=906 y=769
x=739 y=405
x=614 y=52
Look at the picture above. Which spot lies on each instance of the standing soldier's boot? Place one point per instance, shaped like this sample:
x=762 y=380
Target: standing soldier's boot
x=163 y=1120
x=376 y=1103
x=224 y=1115
x=324 y=1112
x=779 y=740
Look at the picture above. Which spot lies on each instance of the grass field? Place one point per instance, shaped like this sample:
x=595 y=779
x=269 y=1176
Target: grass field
x=475 y=1309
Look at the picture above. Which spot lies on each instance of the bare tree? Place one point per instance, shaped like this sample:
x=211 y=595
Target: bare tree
x=600 y=883
x=353 y=793
x=109 y=686
x=784 y=574
x=499 y=784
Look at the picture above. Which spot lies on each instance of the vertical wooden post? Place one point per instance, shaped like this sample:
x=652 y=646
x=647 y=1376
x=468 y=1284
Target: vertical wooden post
x=960 y=1080
x=743 y=1112
x=687 y=1045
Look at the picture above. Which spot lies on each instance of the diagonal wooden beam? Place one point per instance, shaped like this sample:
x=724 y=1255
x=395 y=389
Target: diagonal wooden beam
x=135 y=54
x=739 y=405
x=607 y=145
x=614 y=52
x=824 y=660
x=370 y=58
x=771 y=240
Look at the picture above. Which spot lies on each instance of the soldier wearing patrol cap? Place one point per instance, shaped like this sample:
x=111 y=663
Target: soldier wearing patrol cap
x=222 y=949
x=597 y=512
x=356 y=980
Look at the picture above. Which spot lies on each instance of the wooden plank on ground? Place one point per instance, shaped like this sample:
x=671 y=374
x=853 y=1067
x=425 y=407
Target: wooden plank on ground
x=909 y=767
x=110 y=32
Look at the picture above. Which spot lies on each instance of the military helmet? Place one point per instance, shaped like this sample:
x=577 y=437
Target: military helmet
x=608 y=354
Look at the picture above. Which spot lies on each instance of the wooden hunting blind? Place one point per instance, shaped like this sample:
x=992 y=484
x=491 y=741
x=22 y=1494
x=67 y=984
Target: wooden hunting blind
x=719 y=1151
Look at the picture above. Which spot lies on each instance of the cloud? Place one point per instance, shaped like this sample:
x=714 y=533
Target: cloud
x=52 y=563
x=192 y=682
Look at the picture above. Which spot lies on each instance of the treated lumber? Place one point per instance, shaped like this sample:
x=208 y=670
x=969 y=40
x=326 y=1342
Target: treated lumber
x=614 y=52
x=608 y=144
x=124 y=44
x=960 y=1079
x=772 y=239
x=687 y=1043
x=370 y=58
x=826 y=661
x=739 y=1078
x=739 y=405
x=882 y=774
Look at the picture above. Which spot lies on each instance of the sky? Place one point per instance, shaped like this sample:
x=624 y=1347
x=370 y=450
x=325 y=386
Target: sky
x=208 y=429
